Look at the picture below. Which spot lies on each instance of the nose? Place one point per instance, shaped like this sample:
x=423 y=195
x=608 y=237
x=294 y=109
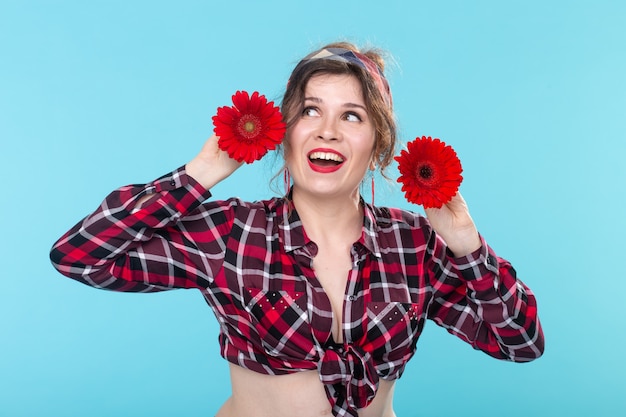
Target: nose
x=328 y=129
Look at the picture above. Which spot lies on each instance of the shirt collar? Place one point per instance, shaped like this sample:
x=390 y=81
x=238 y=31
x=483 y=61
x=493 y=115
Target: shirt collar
x=369 y=237
x=292 y=235
x=290 y=230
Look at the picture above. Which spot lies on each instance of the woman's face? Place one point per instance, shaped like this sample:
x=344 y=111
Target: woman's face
x=329 y=148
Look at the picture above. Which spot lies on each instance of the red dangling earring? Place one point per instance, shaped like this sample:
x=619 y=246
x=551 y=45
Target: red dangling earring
x=287 y=180
x=373 y=172
x=373 y=190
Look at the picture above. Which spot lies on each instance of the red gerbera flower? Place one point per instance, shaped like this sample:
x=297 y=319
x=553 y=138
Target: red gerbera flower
x=430 y=172
x=250 y=128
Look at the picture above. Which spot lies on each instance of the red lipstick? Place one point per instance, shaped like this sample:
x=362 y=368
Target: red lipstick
x=335 y=158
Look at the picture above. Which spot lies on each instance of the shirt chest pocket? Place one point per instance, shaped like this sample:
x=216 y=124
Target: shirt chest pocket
x=281 y=320
x=393 y=327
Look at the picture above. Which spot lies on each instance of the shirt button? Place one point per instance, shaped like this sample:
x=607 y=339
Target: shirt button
x=172 y=183
x=351 y=297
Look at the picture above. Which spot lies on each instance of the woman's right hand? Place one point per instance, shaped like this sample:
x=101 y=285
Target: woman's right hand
x=211 y=165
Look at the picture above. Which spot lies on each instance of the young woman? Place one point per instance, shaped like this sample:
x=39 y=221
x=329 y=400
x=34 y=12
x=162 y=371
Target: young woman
x=320 y=296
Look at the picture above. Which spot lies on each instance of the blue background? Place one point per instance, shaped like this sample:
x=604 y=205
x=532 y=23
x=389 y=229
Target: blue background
x=99 y=94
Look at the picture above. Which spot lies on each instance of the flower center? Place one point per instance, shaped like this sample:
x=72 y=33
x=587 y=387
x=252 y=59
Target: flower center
x=249 y=126
x=426 y=172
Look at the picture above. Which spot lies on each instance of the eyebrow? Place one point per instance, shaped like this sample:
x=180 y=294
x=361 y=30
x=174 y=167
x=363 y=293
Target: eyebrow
x=348 y=104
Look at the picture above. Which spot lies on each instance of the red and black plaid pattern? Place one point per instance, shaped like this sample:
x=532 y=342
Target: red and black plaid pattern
x=252 y=262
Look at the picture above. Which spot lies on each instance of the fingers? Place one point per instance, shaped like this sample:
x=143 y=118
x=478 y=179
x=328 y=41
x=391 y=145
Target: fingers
x=211 y=165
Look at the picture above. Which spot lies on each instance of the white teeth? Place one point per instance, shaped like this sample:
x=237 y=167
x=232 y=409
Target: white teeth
x=328 y=156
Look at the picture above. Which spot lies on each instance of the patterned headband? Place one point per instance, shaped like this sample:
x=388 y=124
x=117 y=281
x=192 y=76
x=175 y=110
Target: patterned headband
x=356 y=58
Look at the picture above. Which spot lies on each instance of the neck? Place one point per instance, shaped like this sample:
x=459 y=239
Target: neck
x=328 y=217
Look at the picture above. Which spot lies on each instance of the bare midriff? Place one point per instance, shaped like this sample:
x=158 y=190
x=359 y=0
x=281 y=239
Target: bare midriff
x=298 y=394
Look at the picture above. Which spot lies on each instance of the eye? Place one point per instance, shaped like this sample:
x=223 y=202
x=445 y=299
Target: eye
x=310 y=111
x=353 y=117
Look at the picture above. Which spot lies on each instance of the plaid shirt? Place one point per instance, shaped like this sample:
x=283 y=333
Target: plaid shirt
x=253 y=263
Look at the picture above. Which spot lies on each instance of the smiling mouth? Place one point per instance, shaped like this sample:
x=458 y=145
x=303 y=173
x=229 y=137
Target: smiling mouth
x=325 y=159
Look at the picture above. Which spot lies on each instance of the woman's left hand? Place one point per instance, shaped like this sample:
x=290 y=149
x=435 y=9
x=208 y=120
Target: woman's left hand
x=455 y=225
